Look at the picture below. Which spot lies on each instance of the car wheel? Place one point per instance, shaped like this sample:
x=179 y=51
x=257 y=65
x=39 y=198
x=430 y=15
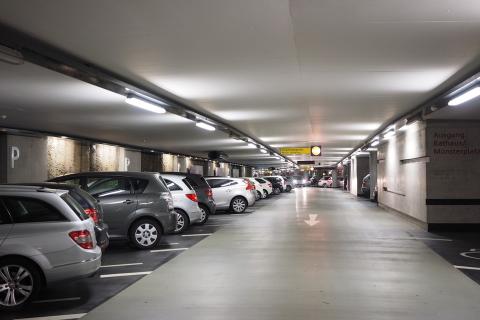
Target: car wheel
x=238 y=205
x=145 y=233
x=205 y=214
x=20 y=282
x=265 y=194
x=259 y=194
x=276 y=191
x=182 y=221
x=288 y=189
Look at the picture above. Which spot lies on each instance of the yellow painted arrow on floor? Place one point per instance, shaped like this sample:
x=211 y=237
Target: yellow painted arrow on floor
x=313 y=220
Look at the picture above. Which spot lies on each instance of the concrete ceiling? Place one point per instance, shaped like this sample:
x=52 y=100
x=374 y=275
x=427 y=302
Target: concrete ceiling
x=290 y=73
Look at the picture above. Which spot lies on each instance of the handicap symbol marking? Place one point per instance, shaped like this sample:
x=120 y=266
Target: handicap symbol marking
x=472 y=254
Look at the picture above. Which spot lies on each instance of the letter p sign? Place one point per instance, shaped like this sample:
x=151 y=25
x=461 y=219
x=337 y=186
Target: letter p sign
x=14 y=155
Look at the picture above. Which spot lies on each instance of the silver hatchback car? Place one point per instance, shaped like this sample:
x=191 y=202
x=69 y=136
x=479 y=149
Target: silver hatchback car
x=45 y=237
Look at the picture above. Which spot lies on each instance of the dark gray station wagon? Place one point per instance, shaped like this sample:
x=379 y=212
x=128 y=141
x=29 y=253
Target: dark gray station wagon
x=136 y=205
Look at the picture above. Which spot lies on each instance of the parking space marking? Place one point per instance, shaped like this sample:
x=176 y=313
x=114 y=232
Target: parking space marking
x=57 y=300
x=467 y=268
x=418 y=238
x=122 y=265
x=166 y=250
x=168 y=244
x=114 y=275
x=62 y=317
x=197 y=235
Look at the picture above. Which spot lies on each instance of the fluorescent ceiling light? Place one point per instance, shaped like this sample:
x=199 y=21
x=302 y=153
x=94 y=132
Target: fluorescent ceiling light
x=263 y=151
x=144 y=104
x=466 y=96
x=252 y=145
x=205 y=126
x=389 y=134
x=375 y=143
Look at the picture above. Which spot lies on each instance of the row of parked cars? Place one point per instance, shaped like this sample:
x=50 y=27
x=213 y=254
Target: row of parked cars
x=57 y=230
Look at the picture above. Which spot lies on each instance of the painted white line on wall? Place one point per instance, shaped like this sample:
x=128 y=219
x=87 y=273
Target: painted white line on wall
x=57 y=300
x=167 y=250
x=467 y=268
x=197 y=235
x=122 y=265
x=114 y=275
x=62 y=317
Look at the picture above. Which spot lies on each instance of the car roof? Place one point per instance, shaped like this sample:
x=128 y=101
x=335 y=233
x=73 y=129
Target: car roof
x=135 y=174
x=186 y=174
x=27 y=189
x=49 y=185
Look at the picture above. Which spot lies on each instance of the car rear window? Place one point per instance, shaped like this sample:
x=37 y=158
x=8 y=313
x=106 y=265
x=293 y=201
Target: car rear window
x=187 y=183
x=172 y=186
x=24 y=210
x=218 y=183
x=75 y=206
x=108 y=186
x=260 y=180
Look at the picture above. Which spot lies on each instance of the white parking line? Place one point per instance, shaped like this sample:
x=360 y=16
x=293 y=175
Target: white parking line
x=122 y=265
x=417 y=238
x=62 y=317
x=114 y=275
x=166 y=250
x=169 y=244
x=197 y=235
x=467 y=268
x=57 y=300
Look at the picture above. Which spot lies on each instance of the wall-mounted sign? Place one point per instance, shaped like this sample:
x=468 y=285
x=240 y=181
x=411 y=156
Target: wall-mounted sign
x=294 y=151
x=306 y=162
x=14 y=155
x=315 y=151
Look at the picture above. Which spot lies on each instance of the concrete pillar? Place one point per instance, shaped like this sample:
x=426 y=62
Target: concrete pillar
x=359 y=169
x=373 y=174
x=334 y=178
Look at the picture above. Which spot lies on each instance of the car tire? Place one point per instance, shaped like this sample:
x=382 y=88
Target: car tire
x=277 y=191
x=259 y=194
x=30 y=282
x=238 y=204
x=265 y=193
x=145 y=233
x=205 y=214
x=288 y=189
x=182 y=221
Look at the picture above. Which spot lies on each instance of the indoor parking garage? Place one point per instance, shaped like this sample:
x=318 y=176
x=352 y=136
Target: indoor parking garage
x=240 y=159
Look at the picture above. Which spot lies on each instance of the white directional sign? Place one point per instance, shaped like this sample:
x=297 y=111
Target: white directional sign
x=313 y=220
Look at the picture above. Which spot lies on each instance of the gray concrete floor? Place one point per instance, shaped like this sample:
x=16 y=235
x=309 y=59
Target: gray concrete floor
x=357 y=263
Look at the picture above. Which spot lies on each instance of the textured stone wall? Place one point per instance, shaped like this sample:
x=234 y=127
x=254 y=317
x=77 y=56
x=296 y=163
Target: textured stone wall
x=67 y=156
x=31 y=165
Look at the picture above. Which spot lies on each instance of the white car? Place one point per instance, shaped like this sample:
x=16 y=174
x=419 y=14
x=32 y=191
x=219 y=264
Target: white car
x=325 y=182
x=235 y=194
x=185 y=201
x=266 y=186
x=258 y=189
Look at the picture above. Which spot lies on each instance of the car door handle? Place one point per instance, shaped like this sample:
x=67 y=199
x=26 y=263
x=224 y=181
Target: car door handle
x=128 y=201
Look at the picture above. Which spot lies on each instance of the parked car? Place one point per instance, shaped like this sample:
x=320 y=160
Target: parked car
x=258 y=189
x=235 y=194
x=266 y=186
x=300 y=181
x=45 y=237
x=277 y=184
x=89 y=204
x=204 y=193
x=325 y=182
x=366 y=186
x=136 y=205
x=289 y=184
x=185 y=201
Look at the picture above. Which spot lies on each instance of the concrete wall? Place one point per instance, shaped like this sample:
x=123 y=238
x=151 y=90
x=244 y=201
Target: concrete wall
x=453 y=173
x=402 y=167
x=26 y=159
x=151 y=162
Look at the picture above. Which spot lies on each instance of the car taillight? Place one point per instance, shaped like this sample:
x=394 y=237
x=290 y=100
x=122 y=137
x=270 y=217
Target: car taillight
x=92 y=213
x=192 y=196
x=250 y=185
x=209 y=193
x=83 y=238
